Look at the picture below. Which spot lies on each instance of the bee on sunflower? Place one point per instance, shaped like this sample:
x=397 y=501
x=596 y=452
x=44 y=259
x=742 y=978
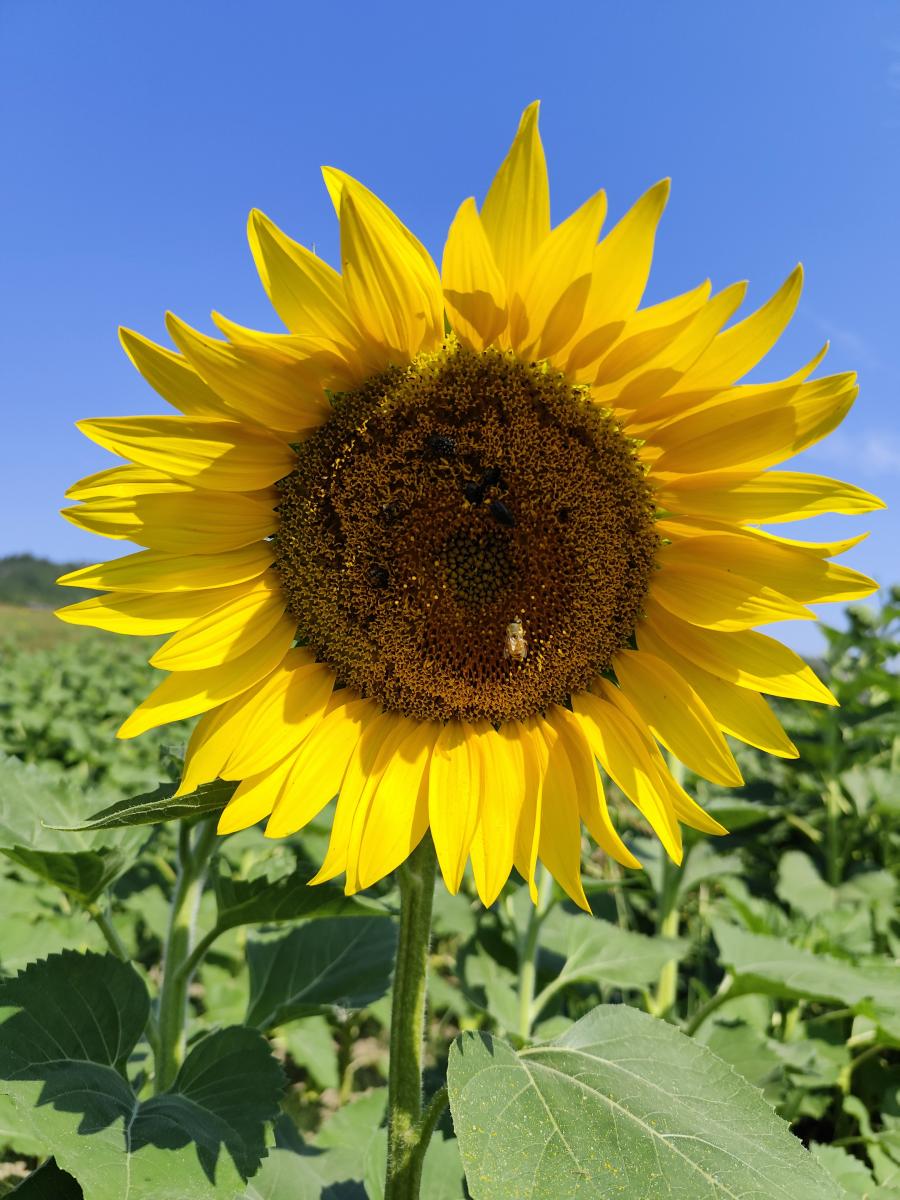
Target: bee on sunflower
x=458 y=537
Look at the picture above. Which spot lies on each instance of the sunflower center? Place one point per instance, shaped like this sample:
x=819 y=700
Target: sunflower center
x=468 y=537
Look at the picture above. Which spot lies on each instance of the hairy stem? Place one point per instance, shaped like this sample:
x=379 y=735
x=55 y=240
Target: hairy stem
x=406 y=1130
x=193 y=857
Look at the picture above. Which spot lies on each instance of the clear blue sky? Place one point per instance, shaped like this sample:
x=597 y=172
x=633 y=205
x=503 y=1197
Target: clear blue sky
x=135 y=137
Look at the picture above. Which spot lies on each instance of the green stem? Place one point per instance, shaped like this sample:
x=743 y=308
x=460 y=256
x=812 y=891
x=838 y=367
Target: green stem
x=405 y=1127
x=427 y=1126
x=706 y=1010
x=663 y=1000
x=528 y=948
x=101 y=919
x=199 y=952
x=192 y=862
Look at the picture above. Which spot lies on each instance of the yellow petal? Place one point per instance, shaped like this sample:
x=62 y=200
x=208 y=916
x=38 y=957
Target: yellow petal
x=226 y=631
x=676 y=715
x=221 y=455
x=802 y=576
x=397 y=816
x=738 y=349
x=718 y=599
x=189 y=693
x=390 y=230
x=679 y=802
x=280 y=719
x=221 y=734
x=645 y=341
x=305 y=291
x=378 y=742
x=119 y=483
x=207 y=749
x=381 y=285
x=255 y=798
x=750 y=659
x=146 y=614
x=267 y=386
x=528 y=831
x=630 y=380
x=772 y=496
x=321 y=764
x=503 y=793
x=560 y=844
x=739 y=712
x=675 y=527
x=181 y=522
x=756 y=430
x=625 y=758
x=588 y=785
x=516 y=210
x=153 y=571
x=651 y=416
x=622 y=261
x=547 y=312
x=474 y=291
x=454 y=797
x=172 y=376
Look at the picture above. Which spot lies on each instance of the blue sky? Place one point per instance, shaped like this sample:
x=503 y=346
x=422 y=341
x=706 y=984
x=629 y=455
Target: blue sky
x=135 y=138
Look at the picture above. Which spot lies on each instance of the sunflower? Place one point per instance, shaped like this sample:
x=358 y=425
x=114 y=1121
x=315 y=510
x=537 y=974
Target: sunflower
x=457 y=538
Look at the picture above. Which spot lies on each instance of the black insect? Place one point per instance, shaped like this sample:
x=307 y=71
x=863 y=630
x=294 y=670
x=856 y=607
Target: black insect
x=473 y=492
x=440 y=445
x=490 y=477
x=501 y=513
x=378 y=576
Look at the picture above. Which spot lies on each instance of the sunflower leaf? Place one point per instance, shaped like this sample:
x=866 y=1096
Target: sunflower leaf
x=32 y=800
x=48 y=1182
x=318 y=967
x=625 y=1106
x=152 y=808
x=598 y=951
x=71 y=1025
x=775 y=967
x=278 y=892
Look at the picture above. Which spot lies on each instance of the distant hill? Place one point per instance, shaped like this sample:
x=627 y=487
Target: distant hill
x=31 y=582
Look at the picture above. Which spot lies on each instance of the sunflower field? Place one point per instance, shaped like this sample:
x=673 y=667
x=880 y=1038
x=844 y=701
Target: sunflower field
x=724 y=1013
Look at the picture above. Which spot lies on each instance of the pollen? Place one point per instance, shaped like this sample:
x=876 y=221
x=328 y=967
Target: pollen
x=445 y=501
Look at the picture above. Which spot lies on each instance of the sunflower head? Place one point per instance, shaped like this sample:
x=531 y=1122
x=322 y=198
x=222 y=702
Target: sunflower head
x=458 y=546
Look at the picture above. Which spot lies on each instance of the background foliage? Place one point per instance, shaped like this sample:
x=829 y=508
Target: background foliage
x=774 y=949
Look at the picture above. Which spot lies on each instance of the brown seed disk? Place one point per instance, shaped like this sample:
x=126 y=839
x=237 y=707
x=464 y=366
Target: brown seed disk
x=443 y=502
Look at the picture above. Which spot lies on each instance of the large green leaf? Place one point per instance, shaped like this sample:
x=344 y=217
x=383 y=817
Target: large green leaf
x=72 y=1023
x=778 y=968
x=32 y=802
x=320 y=966
x=151 y=808
x=597 y=951
x=277 y=891
x=625 y=1106
x=48 y=1182
x=34 y=923
x=332 y=1167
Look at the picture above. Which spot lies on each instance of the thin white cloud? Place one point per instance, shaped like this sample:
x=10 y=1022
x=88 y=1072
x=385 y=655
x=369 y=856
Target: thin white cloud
x=875 y=451
x=848 y=340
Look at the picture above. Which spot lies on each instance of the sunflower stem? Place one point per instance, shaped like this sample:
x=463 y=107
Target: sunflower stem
x=529 y=1007
x=406 y=1129
x=193 y=858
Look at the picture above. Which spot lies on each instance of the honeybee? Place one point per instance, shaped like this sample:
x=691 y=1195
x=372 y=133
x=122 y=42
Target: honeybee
x=516 y=647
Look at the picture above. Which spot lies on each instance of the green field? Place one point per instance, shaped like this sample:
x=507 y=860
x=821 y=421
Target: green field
x=776 y=947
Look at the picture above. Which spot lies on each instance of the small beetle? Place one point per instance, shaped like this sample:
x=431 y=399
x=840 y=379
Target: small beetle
x=516 y=646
